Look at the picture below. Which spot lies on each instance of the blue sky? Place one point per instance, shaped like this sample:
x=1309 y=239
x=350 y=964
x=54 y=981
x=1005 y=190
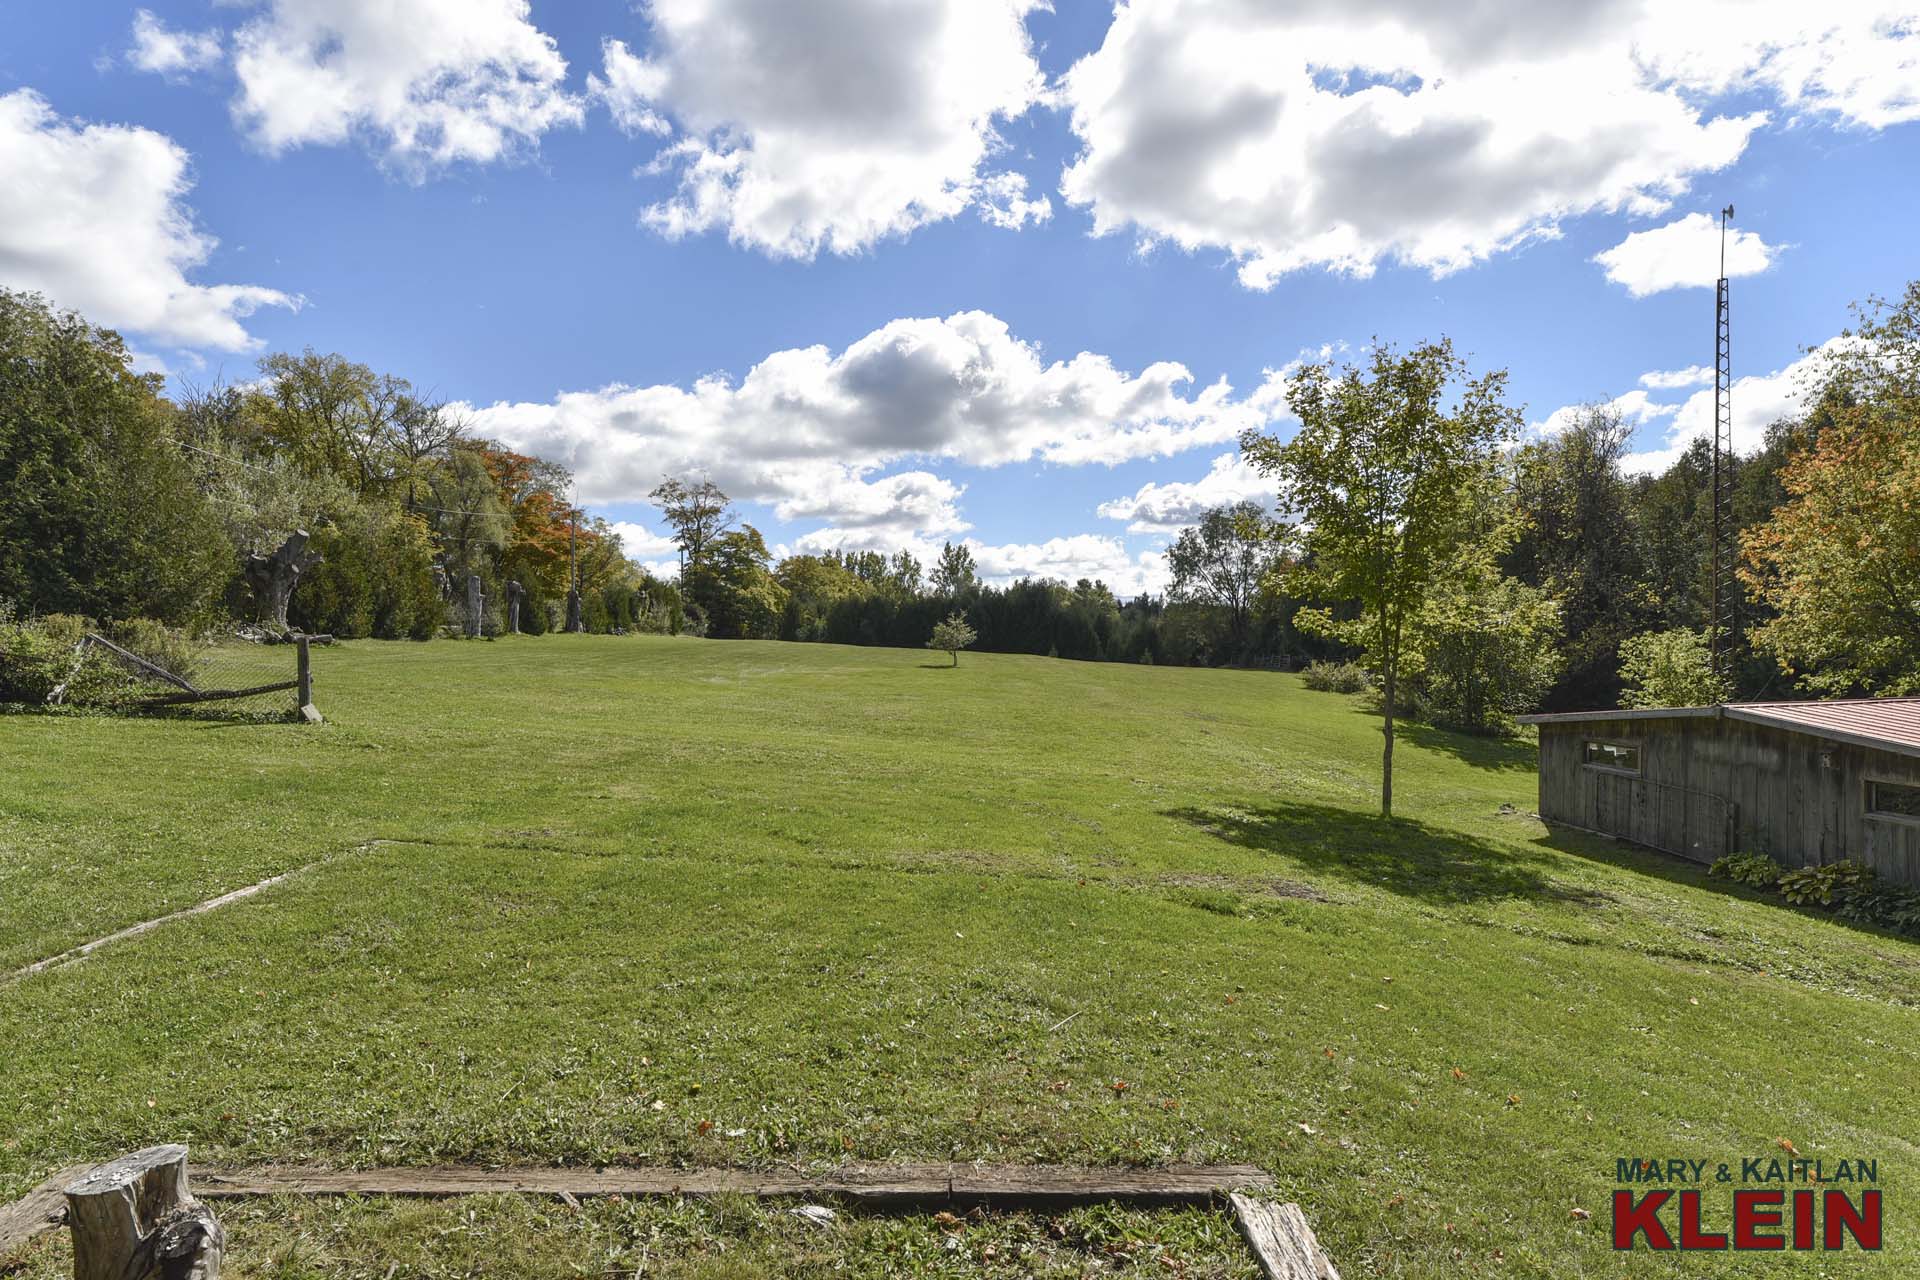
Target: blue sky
x=446 y=190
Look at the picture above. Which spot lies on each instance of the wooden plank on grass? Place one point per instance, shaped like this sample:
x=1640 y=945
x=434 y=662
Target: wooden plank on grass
x=873 y=1184
x=1063 y=1185
x=1280 y=1238
x=41 y=1210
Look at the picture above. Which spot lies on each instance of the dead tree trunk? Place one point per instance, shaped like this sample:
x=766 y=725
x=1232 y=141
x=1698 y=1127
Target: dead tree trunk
x=515 y=593
x=274 y=577
x=473 y=605
x=133 y=1219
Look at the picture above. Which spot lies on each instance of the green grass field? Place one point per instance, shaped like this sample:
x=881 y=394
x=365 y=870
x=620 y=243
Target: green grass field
x=578 y=899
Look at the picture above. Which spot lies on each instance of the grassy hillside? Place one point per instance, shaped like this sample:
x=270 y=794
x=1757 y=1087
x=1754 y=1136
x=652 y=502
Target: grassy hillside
x=597 y=899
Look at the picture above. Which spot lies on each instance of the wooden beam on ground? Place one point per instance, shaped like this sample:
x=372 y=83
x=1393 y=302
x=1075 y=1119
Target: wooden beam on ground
x=896 y=1184
x=218 y=695
x=1280 y=1238
x=41 y=1210
x=1044 y=1185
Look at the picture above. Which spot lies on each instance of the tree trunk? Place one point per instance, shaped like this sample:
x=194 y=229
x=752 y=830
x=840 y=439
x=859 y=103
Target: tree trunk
x=955 y=655
x=274 y=577
x=1389 y=669
x=134 y=1219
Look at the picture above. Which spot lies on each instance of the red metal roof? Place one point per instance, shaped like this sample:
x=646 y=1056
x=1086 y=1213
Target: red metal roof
x=1890 y=722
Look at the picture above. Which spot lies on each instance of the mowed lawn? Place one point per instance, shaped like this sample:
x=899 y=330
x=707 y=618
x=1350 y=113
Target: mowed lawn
x=593 y=899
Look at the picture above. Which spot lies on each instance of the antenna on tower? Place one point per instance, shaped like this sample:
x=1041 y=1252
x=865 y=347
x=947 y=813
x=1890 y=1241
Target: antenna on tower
x=1722 y=600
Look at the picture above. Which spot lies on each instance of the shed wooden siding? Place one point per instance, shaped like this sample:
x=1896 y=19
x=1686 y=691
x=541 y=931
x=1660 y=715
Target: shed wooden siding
x=1785 y=802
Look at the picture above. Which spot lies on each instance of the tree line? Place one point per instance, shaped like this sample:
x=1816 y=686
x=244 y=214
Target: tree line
x=120 y=502
x=1473 y=573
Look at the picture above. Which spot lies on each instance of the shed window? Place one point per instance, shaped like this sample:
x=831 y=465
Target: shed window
x=1624 y=756
x=1893 y=799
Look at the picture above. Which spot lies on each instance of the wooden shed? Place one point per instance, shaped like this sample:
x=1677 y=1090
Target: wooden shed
x=1804 y=782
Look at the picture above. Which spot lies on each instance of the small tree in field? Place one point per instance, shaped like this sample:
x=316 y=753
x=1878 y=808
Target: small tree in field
x=1385 y=480
x=952 y=636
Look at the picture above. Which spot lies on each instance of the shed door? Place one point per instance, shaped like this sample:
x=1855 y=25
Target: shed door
x=1677 y=820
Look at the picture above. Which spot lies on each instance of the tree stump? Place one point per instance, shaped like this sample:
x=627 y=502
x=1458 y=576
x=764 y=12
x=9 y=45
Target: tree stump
x=274 y=577
x=134 y=1219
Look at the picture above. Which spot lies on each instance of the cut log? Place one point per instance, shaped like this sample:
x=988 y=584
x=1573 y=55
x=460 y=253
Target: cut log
x=134 y=1219
x=1281 y=1240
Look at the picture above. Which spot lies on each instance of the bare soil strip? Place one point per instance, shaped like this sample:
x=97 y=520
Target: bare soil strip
x=198 y=909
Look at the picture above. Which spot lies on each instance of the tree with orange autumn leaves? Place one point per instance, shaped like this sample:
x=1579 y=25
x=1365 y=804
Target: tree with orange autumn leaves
x=1839 y=561
x=543 y=522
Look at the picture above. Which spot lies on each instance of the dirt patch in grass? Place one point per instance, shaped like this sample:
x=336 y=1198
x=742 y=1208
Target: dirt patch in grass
x=1266 y=886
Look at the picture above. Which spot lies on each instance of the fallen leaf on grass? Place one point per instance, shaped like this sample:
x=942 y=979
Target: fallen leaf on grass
x=1513 y=1099
x=1458 y=1074
x=1119 y=1087
x=1305 y=1128
x=1783 y=1143
x=1580 y=1215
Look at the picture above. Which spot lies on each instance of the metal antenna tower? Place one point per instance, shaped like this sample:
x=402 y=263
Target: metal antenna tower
x=1723 y=597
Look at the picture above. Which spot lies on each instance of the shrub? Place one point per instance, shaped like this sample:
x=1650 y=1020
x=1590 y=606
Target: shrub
x=1887 y=905
x=1835 y=882
x=38 y=656
x=1756 y=869
x=163 y=646
x=1336 y=677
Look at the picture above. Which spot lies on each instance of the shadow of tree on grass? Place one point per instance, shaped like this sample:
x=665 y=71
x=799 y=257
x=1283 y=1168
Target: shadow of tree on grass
x=1504 y=755
x=1401 y=855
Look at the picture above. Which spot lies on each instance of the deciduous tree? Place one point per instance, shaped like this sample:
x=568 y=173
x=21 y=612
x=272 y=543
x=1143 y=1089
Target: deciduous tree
x=1840 y=561
x=1383 y=477
x=952 y=635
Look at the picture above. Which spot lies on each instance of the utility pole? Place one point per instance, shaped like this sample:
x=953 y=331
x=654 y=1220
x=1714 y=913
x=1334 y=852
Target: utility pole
x=1722 y=602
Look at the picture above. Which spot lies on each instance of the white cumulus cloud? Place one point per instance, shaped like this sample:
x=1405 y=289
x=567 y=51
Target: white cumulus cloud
x=827 y=125
x=811 y=431
x=1069 y=558
x=94 y=216
x=1758 y=402
x=426 y=83
x=1636 y=407
x=1694 y=375
x=1175 y=505
x=159 y=48
x=1683 y=254
x=1337 y=133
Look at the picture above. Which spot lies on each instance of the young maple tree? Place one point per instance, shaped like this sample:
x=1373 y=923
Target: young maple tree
x=1385 y=482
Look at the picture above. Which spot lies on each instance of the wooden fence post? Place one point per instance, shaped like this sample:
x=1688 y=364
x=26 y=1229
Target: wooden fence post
x=133 y=1219
x=308 y=711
